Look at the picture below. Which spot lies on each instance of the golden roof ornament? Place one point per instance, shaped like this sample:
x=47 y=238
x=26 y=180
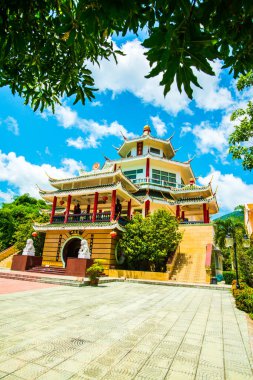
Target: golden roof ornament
x=146 y=130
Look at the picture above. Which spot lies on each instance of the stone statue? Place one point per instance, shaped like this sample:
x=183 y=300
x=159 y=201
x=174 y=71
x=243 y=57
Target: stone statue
x=29 y=249
x=84 y=252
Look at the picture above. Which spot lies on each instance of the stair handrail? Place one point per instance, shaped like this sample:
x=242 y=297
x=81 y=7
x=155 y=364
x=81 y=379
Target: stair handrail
x=8 y=252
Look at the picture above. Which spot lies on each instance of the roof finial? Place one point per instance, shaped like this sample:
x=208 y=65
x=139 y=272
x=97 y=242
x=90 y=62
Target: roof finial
x=171 y=136
x=124 y=137
x=146 y=130
x=115 y=147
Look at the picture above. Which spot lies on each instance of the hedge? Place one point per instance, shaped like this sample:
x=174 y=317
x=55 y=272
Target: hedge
x=229 y=276
x=243 y=297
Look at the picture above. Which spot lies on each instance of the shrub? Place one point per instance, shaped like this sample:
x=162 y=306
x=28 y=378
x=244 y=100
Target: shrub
x=243 y=297
x=95 y=270
x=229 y=276
x=148 y=242
x=246 y=266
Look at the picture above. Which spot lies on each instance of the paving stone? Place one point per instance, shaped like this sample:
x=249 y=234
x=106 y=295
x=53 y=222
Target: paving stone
x=123 y=331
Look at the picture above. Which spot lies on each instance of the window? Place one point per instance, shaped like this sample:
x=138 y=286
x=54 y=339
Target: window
x=163 y=178
x=139 y=148
x=129 y=154
x=155 y=151
x=132 y=174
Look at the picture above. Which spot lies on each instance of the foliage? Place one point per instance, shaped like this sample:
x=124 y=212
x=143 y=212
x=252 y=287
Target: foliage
x=47 y=47
x=243 y=297
x=16 y=220
x=246 y=266
x=95 y=270
x=229 y=277
x=147 y=243
x=241 y=139
x=223 y=227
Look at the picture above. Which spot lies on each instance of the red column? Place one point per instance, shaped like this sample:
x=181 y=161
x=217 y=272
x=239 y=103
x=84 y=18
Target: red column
x=113 y=205
x=53 y=209
x=147 y=208
x=147 y=167
x=204 y=213
x=182 y=215
x=88 y=209
x=129 y=206
x=178 y=212
x=95 y=207
x=67 y=209
x=207 y=216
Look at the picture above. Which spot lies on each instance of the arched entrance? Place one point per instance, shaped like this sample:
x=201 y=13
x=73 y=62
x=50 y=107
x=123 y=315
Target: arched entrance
x=70 y=249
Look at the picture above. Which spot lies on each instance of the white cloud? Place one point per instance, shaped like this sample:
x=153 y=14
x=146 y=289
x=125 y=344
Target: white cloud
x=66 y=117
x=96 y=104
x=129 y=75
x=80 y=143
x=93 y=131
x=159 y=125
x=22 y=175
x=12 y=125
x=212 y=96
x=231 y=192
x=6 y=197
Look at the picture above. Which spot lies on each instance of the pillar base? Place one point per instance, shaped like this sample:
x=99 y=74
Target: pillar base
x=77 y=267
x=24 y=262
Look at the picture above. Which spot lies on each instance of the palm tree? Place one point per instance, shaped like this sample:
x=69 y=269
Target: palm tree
x=224 y=227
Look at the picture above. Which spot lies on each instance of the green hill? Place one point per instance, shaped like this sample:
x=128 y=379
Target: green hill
x=237 y=216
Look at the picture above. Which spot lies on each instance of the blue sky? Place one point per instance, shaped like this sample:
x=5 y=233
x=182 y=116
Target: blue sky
x=33 y=144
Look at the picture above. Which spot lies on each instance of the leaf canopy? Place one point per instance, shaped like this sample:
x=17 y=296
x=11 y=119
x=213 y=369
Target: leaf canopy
x=47 y=46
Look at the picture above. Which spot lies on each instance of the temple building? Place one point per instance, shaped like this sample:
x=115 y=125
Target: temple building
x=97 y=204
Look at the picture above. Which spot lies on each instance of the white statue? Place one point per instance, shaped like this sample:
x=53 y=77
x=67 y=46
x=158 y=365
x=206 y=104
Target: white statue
x=29 y=249
x=84 y=252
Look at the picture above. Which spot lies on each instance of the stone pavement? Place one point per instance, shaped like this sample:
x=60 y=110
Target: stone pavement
x=12 y=286
x=122 y=331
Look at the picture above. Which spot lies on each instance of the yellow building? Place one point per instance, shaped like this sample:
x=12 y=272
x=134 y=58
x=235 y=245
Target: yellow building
x=248 y=218
x=144 y=178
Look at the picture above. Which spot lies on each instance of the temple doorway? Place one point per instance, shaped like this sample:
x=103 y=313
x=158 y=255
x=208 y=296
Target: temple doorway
x=70 y=249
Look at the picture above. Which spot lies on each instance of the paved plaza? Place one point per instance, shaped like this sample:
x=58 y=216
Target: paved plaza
x=123 y=331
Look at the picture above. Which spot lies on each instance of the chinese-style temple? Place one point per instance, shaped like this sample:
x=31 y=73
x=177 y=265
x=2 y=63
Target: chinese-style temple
x=145 y=177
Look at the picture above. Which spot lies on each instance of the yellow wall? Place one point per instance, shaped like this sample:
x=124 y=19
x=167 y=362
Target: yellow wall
x=140 y=275
x=196 y=237
x=103 y=246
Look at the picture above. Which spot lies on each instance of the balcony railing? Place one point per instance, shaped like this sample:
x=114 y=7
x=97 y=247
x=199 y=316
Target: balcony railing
x=87 y=218
x=156 y=182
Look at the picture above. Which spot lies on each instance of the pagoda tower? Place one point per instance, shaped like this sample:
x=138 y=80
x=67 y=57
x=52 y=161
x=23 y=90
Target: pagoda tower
x=96 y=205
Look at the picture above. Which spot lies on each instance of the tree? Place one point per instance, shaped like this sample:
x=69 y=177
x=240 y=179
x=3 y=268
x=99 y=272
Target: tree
x=16 y=221
x=222 y=228
x=147 y=243
x=47 y=47
x=241 y=139
x=246 y=266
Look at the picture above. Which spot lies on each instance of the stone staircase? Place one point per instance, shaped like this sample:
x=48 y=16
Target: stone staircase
x=48 y=270
x=190 y=261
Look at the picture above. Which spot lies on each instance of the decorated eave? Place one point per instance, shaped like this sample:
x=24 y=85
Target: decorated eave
x=103 y=189
x=165 y=145
x=43 y=227
x=191 y=191
x=105 y=173
x=184 y=165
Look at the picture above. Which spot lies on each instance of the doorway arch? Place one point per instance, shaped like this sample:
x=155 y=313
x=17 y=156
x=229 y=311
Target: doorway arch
x=70 y=248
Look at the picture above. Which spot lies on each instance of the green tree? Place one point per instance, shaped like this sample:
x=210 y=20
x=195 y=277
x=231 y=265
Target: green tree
x=47 y=46
x=16 y=221
x=246 y=266
x=222 y=228
x=147 y=243
x=241 y=139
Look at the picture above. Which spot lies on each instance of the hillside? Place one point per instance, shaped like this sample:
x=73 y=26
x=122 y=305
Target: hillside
x=237 y=216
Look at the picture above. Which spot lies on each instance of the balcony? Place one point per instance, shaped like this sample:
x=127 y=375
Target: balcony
x=156 y=182
x=87 y=218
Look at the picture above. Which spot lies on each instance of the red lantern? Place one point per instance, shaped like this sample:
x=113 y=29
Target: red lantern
x=61 y=203
x=105 y=198
x=113 y=234
x=34 y=234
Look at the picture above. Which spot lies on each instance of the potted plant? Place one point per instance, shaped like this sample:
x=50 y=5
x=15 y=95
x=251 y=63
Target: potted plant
x=94 y=273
